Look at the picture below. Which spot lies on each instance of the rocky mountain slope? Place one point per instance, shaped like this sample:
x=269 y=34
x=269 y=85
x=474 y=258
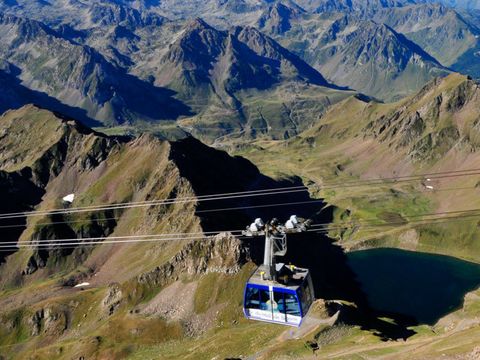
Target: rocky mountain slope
x=210 y=78
x=434 y=131
x=442 y=32
x=45 y=156
x=217 y=72
x=252 y=60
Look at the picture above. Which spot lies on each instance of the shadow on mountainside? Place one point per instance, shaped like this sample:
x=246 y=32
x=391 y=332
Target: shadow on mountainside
x=18 y=194
x=18 y=95
x=151 y=102
x=212 y=171
x=137 y=99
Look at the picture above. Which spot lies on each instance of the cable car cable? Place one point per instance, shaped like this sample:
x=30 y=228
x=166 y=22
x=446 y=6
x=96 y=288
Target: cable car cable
x=394 y=224
x=128 y=206
x=156 y=238
x=123 y=216
x=237 y=194
x=360 y=221
x=206 y=234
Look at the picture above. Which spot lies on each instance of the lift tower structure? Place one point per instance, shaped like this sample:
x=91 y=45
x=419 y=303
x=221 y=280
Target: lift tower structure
x=276 y=292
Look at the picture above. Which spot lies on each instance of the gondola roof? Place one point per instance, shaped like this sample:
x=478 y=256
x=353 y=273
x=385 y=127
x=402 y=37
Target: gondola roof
x=287 y=277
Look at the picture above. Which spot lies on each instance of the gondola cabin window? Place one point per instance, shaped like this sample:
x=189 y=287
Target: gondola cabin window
x=265 y=303
x=292 y=305
x=252 y=298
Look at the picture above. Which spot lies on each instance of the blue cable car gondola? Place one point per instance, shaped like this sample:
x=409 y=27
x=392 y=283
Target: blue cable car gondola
x=276 y=292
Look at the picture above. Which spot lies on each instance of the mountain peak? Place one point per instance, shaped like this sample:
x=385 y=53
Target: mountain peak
x=284 y=9
x=276 y=19
x=108 y=14
x=198 y=24
x=25 y=28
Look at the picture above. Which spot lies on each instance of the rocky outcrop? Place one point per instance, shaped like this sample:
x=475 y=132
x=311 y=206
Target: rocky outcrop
x=462 y=95
x=112 y=300
x=423 y=125
x=388 y=128
x=51 y=320
x=223 y=253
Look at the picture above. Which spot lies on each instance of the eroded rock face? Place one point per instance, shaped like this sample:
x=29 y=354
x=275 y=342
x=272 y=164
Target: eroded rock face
x=56 y=322
x=34 y=262
x=47 y=235
x=35 y=323
x=426 y=126
x=113 y=299
x=49 y=320
x=221 y=254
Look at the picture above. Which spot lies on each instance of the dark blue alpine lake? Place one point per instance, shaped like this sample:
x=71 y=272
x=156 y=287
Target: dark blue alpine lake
x=419 y=285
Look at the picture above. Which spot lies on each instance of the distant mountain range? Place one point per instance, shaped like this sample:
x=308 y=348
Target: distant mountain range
x=221 y=66
x=463 y=4
x=116 y=74
x=368 y=56
x=214 y=71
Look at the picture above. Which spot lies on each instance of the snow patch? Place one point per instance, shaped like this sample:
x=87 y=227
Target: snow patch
x=69 y=198
x=82 y=284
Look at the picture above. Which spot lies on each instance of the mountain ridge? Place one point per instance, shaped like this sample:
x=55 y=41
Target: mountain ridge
x=358 y=53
